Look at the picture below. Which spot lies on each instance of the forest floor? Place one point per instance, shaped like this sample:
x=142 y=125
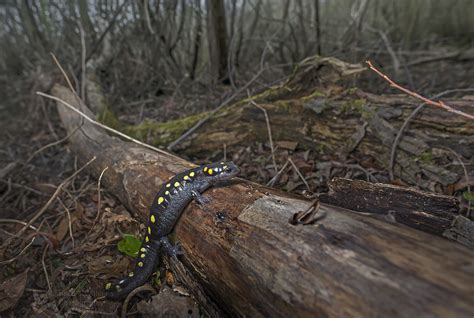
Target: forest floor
x=70 y=252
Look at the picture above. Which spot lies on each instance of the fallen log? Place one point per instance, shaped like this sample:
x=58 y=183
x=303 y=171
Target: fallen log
x=316 y=109
x=243 y=258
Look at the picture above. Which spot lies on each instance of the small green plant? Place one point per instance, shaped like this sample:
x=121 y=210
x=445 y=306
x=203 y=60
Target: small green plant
x=469 y=196
x=129 y=245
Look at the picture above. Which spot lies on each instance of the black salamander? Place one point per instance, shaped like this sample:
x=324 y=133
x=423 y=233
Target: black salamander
x=165 y=211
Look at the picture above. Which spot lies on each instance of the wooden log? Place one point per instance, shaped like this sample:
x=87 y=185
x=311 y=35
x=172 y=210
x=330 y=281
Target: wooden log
x=429 y=212
x=249 y=261
x=318 y=111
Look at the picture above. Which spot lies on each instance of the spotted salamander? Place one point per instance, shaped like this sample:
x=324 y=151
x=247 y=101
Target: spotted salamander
x=165 y=211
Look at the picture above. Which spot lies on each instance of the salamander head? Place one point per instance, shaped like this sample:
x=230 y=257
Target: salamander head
x=220 y=171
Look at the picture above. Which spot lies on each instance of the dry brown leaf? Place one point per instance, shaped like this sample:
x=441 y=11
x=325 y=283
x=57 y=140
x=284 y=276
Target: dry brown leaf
x=11 y=290
x=63 y=226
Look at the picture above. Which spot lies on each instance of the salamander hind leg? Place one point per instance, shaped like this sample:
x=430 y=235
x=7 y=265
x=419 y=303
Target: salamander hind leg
x=170 y=249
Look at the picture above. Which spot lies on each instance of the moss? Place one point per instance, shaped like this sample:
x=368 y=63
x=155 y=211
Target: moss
x=108 y=118
x=315 y=94
x=426 y=156
x=352 y=90
x=355 y=105
x=359 y=104
x=160 y=134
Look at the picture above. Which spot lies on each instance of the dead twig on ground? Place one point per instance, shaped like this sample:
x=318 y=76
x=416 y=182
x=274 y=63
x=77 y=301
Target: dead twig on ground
x=428 y=101
x=57 y=142
x=21 y=186
x=83 y=62
x=71 y=236
x=275 y=177
x=299 y=174
x=45 y=270
x=98 y=200
x=267 y=120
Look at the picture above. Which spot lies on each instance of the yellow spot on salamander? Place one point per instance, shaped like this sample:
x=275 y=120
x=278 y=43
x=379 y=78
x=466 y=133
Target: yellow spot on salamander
x=167 y=192
x=108 y=285
x=149 y=230
x=205 y=169
x=130 y=274
x=224 y=167
x=152 y=218
x=142 y=256
x=147 y=239
x=140 y=264
x=168 y=185
x=160 y=200
x=210 y=171
x=176 y=184
x=143 y=249
x=192 y=174
x=186 y=178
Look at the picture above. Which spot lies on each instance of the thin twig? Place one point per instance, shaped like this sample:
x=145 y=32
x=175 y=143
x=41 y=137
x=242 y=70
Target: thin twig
x=44 y=267
x=269 y=130
x=27 y=188
x=98 y=200
x=69 y=222
x=275 y=177
x=17 y=222
x=418 y=96
x=83 y=63
x=92 y=121
x=57 y=142
x=405 y=125
x=19 y=254
x=64 y=74
x=299 y=174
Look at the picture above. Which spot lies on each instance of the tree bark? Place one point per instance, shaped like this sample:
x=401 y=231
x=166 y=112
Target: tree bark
x=249 y=261
x=429 y=212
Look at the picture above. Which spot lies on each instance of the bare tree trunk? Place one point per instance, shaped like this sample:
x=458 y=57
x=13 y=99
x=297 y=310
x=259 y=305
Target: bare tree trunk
x=197 y=39
x=317 y=26
x=217 y=39
x=240 y=38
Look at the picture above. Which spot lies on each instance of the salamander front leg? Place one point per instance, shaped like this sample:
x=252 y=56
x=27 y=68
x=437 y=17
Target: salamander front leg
x=200 y=199
x=170 y=249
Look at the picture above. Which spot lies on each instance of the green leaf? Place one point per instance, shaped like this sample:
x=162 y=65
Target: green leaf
x=129 y=245
x=468 y=196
